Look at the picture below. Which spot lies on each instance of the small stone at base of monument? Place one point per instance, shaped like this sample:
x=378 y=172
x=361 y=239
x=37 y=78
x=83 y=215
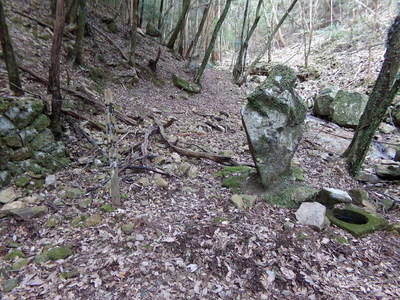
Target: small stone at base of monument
x=311 y=213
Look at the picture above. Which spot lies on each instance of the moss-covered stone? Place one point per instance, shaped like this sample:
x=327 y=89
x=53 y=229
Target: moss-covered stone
x=52 y=222
x=13 y=141
x=290 y=195
x=19 y=264
x=41 y=258
x=30 y=166
x=107 y=208
x=85 y=202
x=74 y=193
x=22 y=181
x=13 y=254
x=233 y=182
x=235 y=169
x=184 y=84
x=59 y=253
x=92 y=221
x=5 y=177
x=24 y=112
x=40 y=123
x=7 y=127
x=70 y=274
x=44 y=141
x=297 y=172
x=75 y=222
x=21 y=154
x=373 y=221
x=9 y=284
x=127 y=228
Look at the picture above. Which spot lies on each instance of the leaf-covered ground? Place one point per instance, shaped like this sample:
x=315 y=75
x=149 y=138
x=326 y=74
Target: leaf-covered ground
x=179 y=236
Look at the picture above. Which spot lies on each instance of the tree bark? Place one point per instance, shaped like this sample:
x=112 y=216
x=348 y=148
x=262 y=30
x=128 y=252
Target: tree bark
x=80 y=32
x=54 y=71
x=241 y=62
x=212 y=42
x=267 y=45
x=385 y=89
x=134 y=7
x=193 y=44
x=179 y=25
x=9 y=56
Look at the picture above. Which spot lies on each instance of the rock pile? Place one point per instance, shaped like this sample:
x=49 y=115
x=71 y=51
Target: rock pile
x=27 y=145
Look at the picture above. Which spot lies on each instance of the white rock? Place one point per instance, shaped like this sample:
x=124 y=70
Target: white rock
x=13 y=205
x=50 y=180
x=7 y=195
x=311 y=213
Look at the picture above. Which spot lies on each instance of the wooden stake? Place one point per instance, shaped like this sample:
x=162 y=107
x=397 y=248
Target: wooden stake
x=112 y=151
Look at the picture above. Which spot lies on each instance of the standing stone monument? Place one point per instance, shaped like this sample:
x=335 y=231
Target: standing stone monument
x=274 y=121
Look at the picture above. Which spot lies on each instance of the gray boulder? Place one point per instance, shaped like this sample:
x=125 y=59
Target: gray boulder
x=311 y=213
x=347 y=108
x=323 y=101
x=330 y=197
x=274 y=121
x=389 y=171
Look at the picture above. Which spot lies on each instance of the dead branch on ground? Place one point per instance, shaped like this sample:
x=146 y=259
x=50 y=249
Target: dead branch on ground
x=225 y=160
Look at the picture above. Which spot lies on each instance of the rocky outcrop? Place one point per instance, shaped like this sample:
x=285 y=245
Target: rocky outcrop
x=26 y=143
x=273 y=119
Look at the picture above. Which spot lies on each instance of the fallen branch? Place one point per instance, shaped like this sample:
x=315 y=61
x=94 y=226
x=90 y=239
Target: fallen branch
x=87 y=99
x=145 y=144
x=76 y=115
x=225 y=160
x=79 y=130
x=110 y=41
x=67 y=34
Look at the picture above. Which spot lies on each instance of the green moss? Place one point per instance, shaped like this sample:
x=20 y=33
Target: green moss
x=341 y=240
x=220 y=220
x=59 y=253
x=70 y=274
x=41 y=123
x=236 y=169
x=13 y=254
x=374 y=222
x=107 y=208
x=22 y=181
x=19 y=264
x=41 y=258
x=233 y=182
x=185 y=85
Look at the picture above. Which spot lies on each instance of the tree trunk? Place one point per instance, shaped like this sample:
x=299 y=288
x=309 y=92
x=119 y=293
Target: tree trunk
x=71 y=14
x=54 y=71
x=141 y=14
x=385 y=89
x=160 y=16
x=80 y=32
x=238 y=68
x=212 y=42
x=241 y=60
x=267 y=45
x=193 y=44
x=179 y=25
x=9 y=56
x=134 y=7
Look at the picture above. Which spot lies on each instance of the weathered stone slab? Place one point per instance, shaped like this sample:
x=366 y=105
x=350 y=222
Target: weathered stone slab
x=273 y=119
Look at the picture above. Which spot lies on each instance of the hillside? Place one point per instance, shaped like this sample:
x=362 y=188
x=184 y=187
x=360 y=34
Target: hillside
x=178 y=235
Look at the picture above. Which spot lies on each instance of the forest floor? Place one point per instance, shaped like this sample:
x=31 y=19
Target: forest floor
x=188 y=241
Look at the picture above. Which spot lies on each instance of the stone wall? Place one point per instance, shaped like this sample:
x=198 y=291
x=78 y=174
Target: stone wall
x=28 y=150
